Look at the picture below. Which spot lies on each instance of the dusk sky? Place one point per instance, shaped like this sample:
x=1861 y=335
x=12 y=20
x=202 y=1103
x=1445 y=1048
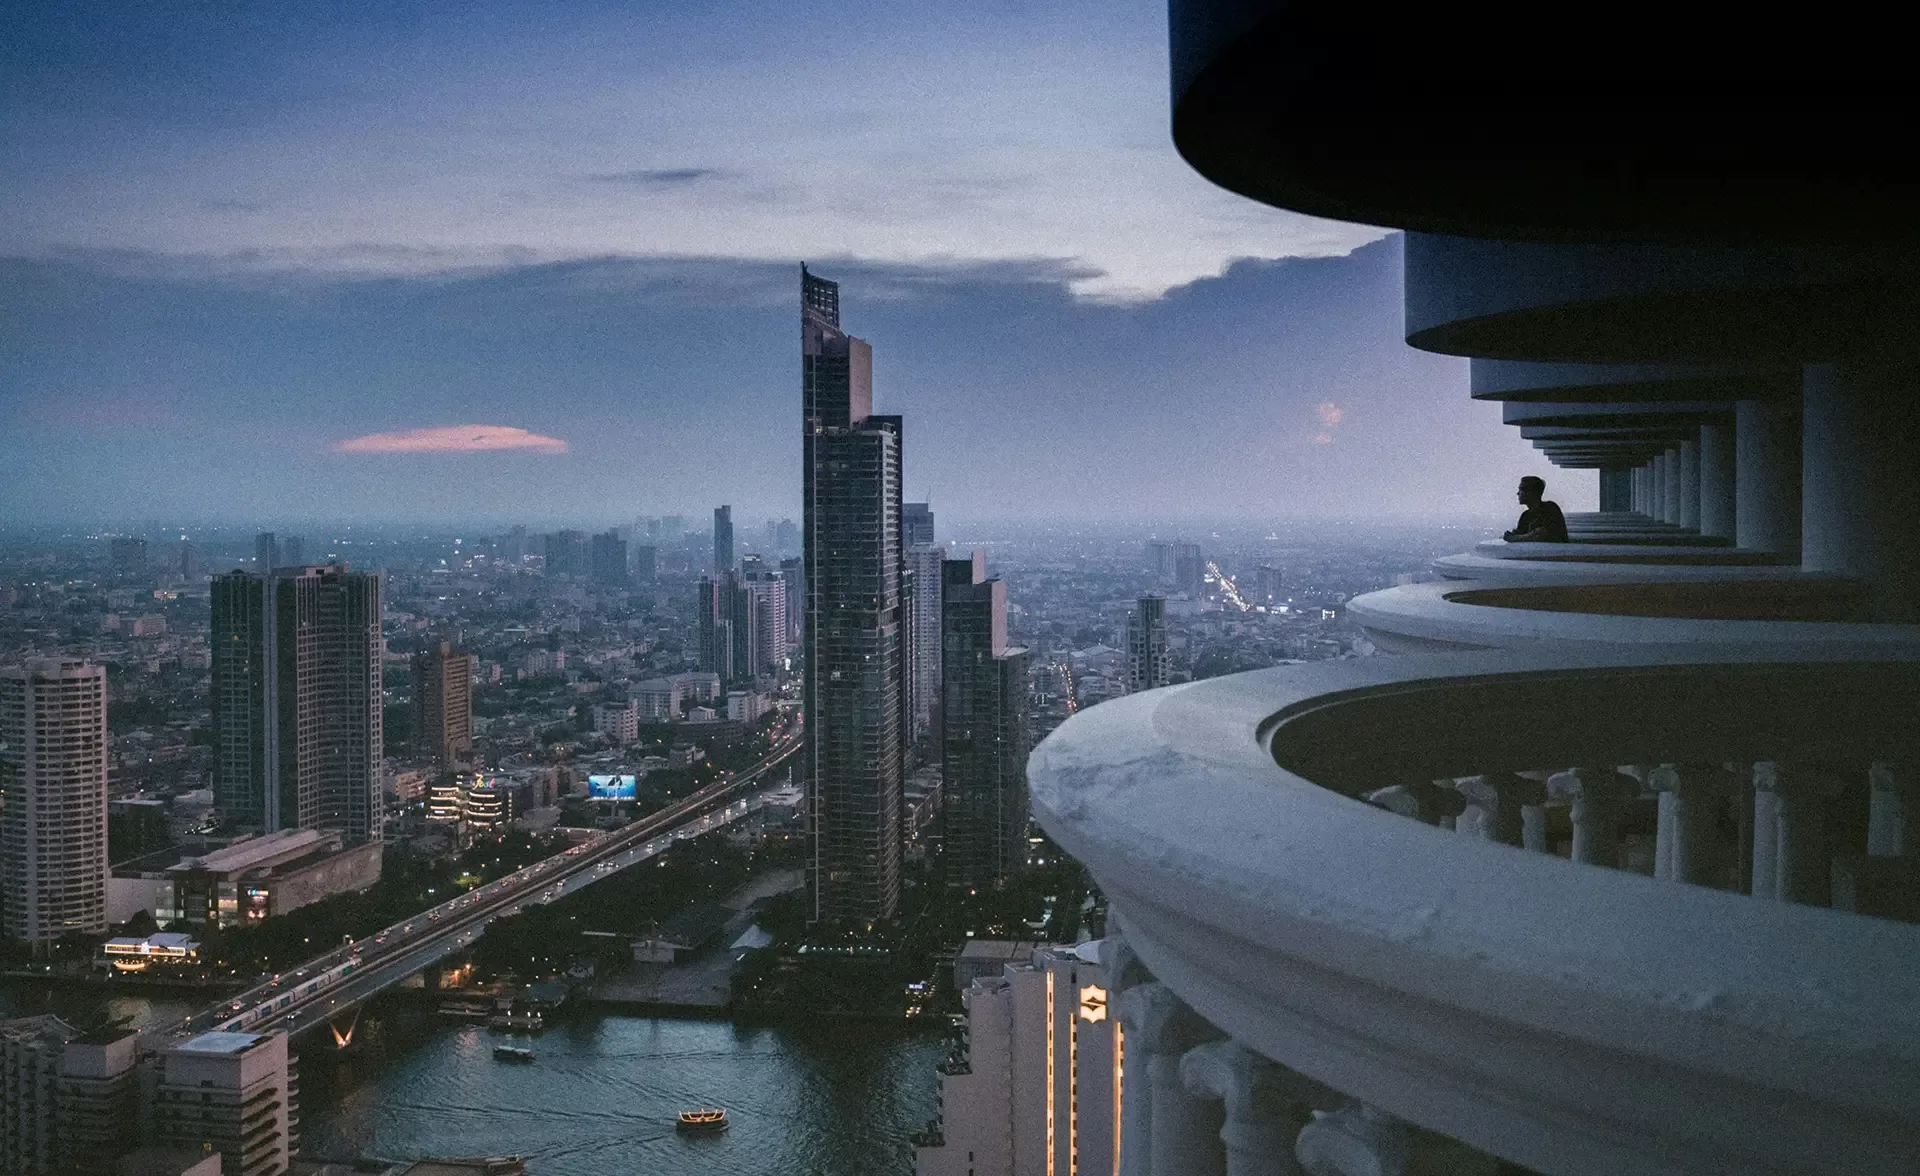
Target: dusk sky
x=539 y=262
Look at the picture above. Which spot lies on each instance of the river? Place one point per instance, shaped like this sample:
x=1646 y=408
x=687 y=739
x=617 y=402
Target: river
x=833 y=1099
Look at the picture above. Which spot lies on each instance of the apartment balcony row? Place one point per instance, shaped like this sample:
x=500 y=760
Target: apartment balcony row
x=1579 y=911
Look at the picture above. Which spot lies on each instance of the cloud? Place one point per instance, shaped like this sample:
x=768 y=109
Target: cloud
x=659 y=177
x=1331 y=414
x=452 y=439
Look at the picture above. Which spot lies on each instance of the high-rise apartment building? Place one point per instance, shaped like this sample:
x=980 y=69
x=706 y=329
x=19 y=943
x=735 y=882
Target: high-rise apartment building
x=233 y=1093
x=916 y=524
x=566 y=553
x=1189 y=569
x=53 y=785
x=983 y=746
x=1157 y=554
x=786 y=538
x=793 y=573
x=1035 y=1082
x=266 y=552
x=128 y=555
x=854 y=641
x=770 y=612
x=443 y=702
x=607 y=559
x=926 y=564
x=1147 y=664
x=722 y=540
x=296 y=699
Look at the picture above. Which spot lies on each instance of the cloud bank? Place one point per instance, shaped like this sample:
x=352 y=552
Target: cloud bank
x=452 y=439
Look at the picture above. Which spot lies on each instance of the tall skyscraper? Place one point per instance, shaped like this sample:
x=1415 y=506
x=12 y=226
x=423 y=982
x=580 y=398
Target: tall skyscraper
x=607 y=558
x=1158 y=555
x=926 y=563
x=855 y=666
x=983 y=754
x=722 y=539
x=187 y=561
x=645 y=557
x=53 y=784
x=266 y=552
x=786 y=538
x=443 y=702
x=293 y=551
x=1189 y=569
x=916 y=524
x=296 y=699
x=793 y=572
x=566 y=554
x=1147 y=666
x=770 y=610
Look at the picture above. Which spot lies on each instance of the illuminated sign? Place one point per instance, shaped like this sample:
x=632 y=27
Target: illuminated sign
x=1093 y=1003
x=612 y=787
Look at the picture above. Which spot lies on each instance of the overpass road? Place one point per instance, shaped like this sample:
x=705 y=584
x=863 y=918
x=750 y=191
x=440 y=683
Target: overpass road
x=327 y=987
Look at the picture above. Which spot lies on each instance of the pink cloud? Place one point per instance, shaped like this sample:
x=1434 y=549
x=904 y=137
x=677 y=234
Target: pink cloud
x=451 y=439
x=1331 y=414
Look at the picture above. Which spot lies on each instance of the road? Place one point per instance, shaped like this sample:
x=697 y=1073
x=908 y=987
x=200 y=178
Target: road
x=335 y=981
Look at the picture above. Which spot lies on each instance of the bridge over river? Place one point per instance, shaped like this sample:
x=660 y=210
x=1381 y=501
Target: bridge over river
x=330 y=988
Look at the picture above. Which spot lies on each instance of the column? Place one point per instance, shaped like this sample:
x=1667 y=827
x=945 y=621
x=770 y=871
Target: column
x=1502 y=798
x=1717 y=491
x=1860 y=501
x=1766 y=834
x=1665 y=466
x=1597 y=794
x=1357 y=1141
x=1802 y=867
x=1431 y=802
x=1266 y=1105
x=1690 y=485
x=1639 y=490
x=1890 y=805
x=1689 y=798
x=1766 y=476
x=1183 y=1131
x=1616 y=490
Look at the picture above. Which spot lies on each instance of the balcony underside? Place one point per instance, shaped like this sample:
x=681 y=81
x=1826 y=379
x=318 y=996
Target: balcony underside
x=1566 y=1017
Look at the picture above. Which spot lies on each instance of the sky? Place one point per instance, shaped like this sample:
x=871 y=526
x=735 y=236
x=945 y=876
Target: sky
x=394 y=261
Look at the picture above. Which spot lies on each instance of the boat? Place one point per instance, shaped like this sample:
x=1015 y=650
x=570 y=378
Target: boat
x=512 y=1053
x=704 y=1121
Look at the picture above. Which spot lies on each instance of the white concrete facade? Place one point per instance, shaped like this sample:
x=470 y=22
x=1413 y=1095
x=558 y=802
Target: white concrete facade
x=234 y=1093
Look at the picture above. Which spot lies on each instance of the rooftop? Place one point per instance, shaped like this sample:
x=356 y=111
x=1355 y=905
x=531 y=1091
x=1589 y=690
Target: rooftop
x=221 y=1043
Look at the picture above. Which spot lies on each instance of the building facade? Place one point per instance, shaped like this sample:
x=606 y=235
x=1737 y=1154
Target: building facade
x=854 y=688
x=983 y=751
x=68 y=1100
x=443 y=702
x=722 y=540
x=53 y=784
x=234 y=1093
x=927 y=565
x=297 y=711
x=1147 y=663
x=1034 y=1084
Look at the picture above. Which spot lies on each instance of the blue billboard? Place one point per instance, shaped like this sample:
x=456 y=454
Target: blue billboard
x=611 y=787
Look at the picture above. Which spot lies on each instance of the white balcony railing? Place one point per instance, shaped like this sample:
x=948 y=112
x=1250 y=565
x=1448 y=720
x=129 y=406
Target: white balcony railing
x=1555 y=1014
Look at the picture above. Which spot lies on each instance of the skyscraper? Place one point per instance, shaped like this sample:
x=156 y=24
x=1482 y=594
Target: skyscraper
x=566 y=554
x=770 y=604
x=443 y=702
x=853 y=689
x=266 y=552
x=983 y=754
x=128 y=555
x=53 y=783
x=713 y=614
x=607 y=558
x=793 y=572
x=1189 y=569
x=1147 y=667
x=916 y=524
x=722 y=539
x=293 y=551
x=296 y=699
x=925 y=562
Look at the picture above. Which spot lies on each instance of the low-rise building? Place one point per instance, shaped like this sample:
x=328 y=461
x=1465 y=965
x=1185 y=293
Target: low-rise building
x=163 y=952
x=245 y=881
x=619 y=722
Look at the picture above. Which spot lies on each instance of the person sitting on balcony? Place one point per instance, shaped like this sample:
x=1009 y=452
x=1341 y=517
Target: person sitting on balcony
x=1541 y=521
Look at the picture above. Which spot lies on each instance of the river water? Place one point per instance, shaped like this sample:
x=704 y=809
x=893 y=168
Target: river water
x=833 y=1099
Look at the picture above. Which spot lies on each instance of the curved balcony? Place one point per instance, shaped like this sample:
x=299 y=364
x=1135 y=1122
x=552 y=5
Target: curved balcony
x=1553 y=1013
x=1790 y=612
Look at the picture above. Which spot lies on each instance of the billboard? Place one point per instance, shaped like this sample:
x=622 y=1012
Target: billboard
x=611 y=787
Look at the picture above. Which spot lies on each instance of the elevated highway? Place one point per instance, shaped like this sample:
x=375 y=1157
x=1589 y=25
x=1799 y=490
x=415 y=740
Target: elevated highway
x=331 y=986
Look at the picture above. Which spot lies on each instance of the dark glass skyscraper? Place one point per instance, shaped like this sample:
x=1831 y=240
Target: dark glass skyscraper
x=854 y=688
x=983 y=754
x=916 y=524
x=722 y=540
x=296 y=699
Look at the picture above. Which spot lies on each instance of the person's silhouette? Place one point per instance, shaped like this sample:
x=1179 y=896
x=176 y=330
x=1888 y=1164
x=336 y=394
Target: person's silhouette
x=1541 y=521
